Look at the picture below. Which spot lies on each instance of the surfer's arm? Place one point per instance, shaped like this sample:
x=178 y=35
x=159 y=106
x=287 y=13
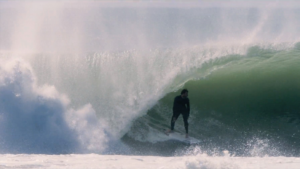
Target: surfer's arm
x=174 y=104
x=188 y=105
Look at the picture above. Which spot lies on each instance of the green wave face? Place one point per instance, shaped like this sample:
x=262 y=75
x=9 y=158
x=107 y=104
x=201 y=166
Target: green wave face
x=246 y=98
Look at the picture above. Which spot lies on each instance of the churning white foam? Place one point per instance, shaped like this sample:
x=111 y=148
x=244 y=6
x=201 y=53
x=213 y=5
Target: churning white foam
x=38 y=119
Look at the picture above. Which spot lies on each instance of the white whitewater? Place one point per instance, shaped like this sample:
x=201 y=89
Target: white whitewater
x=95 y=161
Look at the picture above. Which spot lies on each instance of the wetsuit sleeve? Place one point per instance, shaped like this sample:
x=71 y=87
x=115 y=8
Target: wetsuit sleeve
x=174 y=104
x=188 y=105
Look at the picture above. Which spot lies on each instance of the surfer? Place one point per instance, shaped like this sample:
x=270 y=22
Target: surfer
x=181 y=106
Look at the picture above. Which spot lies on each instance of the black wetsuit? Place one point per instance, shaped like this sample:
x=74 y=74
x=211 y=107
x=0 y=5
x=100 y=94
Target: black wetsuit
x=181 y=106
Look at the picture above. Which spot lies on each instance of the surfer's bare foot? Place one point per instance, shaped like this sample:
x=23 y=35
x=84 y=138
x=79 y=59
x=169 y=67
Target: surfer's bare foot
x=186 y=135
x=167 y=132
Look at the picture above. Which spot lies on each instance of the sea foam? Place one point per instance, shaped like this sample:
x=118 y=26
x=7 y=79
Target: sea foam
x=38 y=119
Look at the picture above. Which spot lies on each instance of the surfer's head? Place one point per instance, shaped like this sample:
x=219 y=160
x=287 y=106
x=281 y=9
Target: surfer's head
x=184 y=93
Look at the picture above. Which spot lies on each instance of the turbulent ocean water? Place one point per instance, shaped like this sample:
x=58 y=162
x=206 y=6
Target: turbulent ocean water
x=100 y=77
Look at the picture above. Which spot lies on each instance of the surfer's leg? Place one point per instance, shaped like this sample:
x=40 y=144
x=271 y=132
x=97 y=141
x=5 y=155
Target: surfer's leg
x=185 y=120
x=173 y=120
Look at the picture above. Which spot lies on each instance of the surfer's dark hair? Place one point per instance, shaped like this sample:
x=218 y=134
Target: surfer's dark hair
x=184 y=91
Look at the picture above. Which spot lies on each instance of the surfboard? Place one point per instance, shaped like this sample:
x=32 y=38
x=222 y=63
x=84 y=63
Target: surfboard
x=181 y=137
